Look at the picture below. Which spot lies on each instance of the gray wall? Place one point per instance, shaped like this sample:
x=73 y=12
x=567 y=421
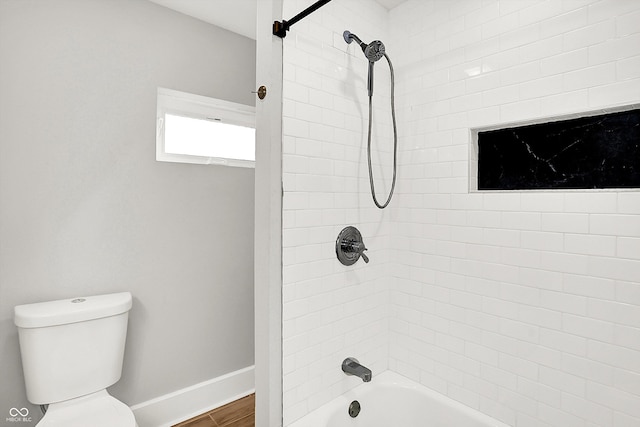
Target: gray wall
x=85 y=208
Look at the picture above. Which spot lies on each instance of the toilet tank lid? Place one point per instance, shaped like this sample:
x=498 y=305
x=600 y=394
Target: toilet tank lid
x=72 y=310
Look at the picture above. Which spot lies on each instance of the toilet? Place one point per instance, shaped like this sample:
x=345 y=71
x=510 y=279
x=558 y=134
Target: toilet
x=72 y=350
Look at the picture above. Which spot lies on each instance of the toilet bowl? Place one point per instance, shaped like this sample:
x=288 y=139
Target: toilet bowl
x=72 y=350
x=99 y=409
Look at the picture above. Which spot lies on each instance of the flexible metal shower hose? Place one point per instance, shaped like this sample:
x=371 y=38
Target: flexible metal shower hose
x=395 y=142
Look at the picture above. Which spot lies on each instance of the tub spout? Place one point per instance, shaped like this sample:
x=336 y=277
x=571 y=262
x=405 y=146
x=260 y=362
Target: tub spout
x=351 y=366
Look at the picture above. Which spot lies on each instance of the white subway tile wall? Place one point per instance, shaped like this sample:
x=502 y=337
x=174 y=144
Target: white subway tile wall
x=331 y=311
x=523 y=305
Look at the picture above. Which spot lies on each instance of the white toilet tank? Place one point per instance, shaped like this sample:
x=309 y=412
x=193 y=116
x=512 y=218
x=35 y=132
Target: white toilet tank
x=72 y=347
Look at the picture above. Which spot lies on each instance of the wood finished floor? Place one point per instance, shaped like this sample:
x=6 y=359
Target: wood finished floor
x=240 y=413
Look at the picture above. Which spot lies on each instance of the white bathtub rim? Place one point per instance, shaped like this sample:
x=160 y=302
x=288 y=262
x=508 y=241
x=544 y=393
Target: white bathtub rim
x=320 y=416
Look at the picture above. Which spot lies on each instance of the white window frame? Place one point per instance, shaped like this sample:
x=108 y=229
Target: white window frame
x=204 y=108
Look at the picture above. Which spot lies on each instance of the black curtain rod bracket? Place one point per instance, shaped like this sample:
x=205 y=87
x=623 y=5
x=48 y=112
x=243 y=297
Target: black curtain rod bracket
x=280 y=28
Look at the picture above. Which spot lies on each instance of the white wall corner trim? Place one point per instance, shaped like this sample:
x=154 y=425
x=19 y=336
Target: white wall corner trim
x=172 y=408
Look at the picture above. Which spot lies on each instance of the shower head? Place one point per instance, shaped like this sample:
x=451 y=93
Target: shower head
x=372 y=51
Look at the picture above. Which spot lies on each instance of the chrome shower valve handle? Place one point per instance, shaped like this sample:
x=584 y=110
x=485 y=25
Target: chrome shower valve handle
x=350 y=247
x=357 y=247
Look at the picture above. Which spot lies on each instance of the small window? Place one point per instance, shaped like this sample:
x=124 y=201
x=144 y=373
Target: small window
x=197 y=129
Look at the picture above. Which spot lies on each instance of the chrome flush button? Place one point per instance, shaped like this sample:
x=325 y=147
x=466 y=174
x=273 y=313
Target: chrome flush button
x=77 y=300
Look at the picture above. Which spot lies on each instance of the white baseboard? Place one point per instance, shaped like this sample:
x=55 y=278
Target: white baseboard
x=172 y=408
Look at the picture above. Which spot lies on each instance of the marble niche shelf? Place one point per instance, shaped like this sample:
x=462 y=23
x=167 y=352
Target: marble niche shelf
x=598 y=151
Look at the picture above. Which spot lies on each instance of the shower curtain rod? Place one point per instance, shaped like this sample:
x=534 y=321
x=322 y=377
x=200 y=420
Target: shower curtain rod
x=280 y=28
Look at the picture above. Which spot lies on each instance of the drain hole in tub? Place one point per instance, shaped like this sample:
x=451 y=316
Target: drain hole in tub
x=354 y=409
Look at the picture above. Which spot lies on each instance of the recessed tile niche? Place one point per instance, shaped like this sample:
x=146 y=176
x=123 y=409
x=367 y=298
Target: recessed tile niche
x=587 y=152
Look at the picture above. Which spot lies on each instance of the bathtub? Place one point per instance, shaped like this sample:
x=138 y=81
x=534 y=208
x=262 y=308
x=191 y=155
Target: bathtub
x=391 y=400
